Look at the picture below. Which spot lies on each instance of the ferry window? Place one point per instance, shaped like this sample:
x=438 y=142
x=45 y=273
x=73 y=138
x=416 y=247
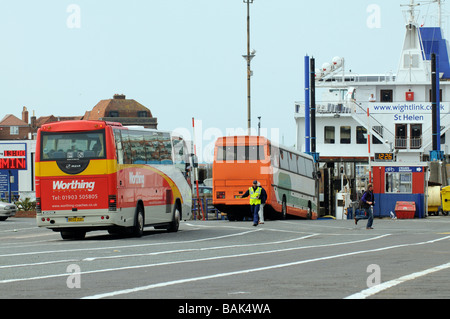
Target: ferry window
x=113 y=113
x=346 y=134
x=416 y=136
x=411 y=61
x=329 y=135
x=399 y=182
x=386 y=96
x=361 y=135
x=375 y=140
x=379 y=129
x=440 y=95
x=142 y=113
x=400 y=135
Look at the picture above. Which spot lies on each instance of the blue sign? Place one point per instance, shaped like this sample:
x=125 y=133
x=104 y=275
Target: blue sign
x=403 y=169
x=4 y=179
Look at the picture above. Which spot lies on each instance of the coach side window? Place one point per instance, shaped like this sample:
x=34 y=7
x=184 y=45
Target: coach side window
x=119 y=150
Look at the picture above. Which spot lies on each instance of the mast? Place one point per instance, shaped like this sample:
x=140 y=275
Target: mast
x=411 y=5
x=439 y=13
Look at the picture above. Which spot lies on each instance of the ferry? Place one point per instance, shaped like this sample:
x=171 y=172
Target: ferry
x=364 y=118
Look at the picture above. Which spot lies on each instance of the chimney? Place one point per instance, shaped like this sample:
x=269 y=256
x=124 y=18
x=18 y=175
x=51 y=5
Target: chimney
x=33 y=121
x=25 y=115
x=119 y=96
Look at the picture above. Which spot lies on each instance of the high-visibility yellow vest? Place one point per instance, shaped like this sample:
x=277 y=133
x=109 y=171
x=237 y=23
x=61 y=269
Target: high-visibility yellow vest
x=254 y=196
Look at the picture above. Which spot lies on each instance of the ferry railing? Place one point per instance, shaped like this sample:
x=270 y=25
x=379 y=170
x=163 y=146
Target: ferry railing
x=379 y=130
x=337 y=79
x=401 y=143
x=427 y=134
x=356 y=111
x=415 y=143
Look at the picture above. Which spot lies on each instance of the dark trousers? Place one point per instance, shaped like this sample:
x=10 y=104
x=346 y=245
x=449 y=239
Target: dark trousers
x=255 y=209
x=368 y=216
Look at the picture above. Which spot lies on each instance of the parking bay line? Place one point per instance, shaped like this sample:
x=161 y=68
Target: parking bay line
x=159 y=253
x=246 y=271
x=190 y=260
x=126 y=246
x=392 y=283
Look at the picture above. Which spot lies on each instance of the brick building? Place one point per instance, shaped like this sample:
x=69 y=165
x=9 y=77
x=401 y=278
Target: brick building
x=125 y=111
x=13 y=128
x=117 y=109
x=15 y=131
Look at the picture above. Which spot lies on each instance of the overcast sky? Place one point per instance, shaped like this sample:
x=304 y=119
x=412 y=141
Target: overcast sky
x=183 y=58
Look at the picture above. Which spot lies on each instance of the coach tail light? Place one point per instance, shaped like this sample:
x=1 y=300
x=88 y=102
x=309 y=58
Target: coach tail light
x=220 y=195
x=112 y=203
x=38 y=205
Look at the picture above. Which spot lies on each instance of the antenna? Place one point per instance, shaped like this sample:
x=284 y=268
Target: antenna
x=411 y=6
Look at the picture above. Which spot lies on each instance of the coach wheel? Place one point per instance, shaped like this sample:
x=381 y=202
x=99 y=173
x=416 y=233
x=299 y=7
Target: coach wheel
x=284 y=208
x=138 y=228
x=73 y=234
x=175 y=224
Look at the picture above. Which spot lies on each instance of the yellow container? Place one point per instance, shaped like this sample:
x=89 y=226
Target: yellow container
x=434 y=198
x=445 y=192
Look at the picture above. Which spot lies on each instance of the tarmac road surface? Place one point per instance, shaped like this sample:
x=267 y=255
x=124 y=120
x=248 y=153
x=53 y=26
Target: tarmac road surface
x=221 y=260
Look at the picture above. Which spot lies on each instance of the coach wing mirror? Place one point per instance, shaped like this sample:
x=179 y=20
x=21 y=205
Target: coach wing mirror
x=194 y=160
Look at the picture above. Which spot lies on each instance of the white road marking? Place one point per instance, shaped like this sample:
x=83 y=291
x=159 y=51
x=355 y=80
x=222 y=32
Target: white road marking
x=39 y=264
x=189 y=261
x=198 y=249
x=126 y=246
x=247 y=271
x=392 y=283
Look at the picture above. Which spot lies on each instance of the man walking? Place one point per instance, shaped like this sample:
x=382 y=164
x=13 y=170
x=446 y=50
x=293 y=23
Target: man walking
x=255 y=193
x=367 y=201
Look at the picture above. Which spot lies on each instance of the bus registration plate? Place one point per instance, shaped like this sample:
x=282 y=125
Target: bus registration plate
x=75 y=219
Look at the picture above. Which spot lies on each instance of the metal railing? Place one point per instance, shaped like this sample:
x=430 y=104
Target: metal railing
x=208 y=209
x=414 y=143
x=4 y=196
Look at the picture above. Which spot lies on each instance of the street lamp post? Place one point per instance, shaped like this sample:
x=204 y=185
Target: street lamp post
x=248 y=58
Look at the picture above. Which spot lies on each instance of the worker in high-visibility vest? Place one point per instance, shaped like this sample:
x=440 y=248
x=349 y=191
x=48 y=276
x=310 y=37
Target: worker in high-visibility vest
x=254 y=192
